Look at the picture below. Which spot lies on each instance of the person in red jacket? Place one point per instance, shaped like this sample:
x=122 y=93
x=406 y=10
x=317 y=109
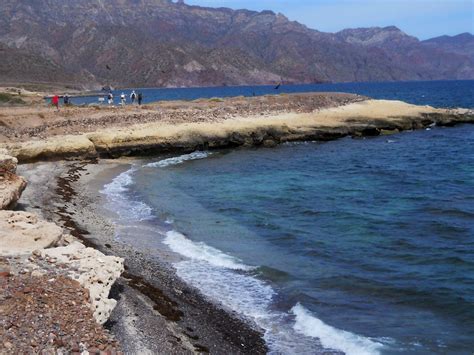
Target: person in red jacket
x=55 y=101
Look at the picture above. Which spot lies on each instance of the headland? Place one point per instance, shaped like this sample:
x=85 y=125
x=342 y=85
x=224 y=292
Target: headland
x=33 y=134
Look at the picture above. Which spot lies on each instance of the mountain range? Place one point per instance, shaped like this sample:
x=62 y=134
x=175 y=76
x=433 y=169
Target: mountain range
x=163 y=43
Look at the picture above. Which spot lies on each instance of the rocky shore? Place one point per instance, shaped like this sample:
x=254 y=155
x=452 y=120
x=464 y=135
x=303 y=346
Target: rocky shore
x=59 y=258
x=156 y=312
x=184 y=126
x=54 y=291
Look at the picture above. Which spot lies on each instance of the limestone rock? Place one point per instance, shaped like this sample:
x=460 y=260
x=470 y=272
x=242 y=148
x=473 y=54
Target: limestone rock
x=54 y=147
x=93 y=270
x=11 y=188
x=7 y=162
x=11 y=185
x=23 y=232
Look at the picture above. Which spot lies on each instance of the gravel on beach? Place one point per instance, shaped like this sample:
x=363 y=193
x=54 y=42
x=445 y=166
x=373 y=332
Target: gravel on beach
x=156 y=311
x=49 y=314
x=24 y=123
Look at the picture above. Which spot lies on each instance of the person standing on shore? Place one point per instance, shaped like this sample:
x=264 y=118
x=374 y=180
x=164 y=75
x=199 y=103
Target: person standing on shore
x=133 y=96
x=110 y=98
x=55 y=101
x=140 y=98
x=66 y=99
x=122 y=99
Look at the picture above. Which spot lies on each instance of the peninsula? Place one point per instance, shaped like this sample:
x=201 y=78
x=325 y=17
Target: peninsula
x=33 y=134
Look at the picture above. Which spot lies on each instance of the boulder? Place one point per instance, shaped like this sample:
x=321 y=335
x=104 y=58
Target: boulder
x=7 y=162
x=93 y=270
x=23 y=232
x=11 y=185
x=11 y=188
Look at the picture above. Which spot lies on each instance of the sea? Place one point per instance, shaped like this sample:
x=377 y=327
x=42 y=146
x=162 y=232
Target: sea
x=356 y=246
x=435 y=93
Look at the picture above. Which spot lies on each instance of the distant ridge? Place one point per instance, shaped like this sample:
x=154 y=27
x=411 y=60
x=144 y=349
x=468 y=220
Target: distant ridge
x=163 y=43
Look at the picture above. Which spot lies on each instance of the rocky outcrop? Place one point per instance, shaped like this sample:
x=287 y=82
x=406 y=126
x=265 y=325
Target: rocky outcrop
x=23 y=232
x=49 y=315
x=93 y=270
x=11 y=185
x=64 y=147
x=363 y=118
x=25 y=235
x=7 y=162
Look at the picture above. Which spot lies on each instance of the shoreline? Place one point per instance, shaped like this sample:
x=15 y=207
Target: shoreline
x=150 y=295
x=182 y=127
x=187 y=321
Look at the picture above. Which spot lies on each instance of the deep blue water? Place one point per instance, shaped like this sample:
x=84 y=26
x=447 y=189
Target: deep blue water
x=434 y=93
x=356 y=245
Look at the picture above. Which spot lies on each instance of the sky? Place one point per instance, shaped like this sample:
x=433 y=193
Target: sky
x=420 y=18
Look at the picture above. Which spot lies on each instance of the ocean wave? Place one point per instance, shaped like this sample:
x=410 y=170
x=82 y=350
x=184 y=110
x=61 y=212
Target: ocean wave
x=133 y=210
x=120 y=203
x=248 y=296
x=227 y=280
x=178 y=160
x=201 y=251
x=331 y=337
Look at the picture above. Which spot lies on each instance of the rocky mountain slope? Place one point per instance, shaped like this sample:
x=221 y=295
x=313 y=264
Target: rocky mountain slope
x=462 y=44
x=166 y=43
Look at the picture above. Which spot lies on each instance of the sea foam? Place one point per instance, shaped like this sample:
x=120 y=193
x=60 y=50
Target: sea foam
x=201 y=251
x=330 y=337
x=230 y=282
x=118 y=202
x=116 y=191
x=178 y=160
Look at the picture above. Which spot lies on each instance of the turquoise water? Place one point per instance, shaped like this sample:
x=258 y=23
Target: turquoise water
x=361 y=246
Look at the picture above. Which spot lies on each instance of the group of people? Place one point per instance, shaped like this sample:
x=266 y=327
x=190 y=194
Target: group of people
x=55 y=101
x=134 y=97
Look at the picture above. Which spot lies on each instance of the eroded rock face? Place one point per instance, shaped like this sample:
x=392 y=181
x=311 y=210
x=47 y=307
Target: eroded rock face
x=11 y=185
x=7 y=162
x=11 y=188
x=23 y=232
x=93 y=270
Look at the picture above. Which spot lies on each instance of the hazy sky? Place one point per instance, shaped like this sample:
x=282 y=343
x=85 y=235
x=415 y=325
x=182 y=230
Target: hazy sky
x=421 y=18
